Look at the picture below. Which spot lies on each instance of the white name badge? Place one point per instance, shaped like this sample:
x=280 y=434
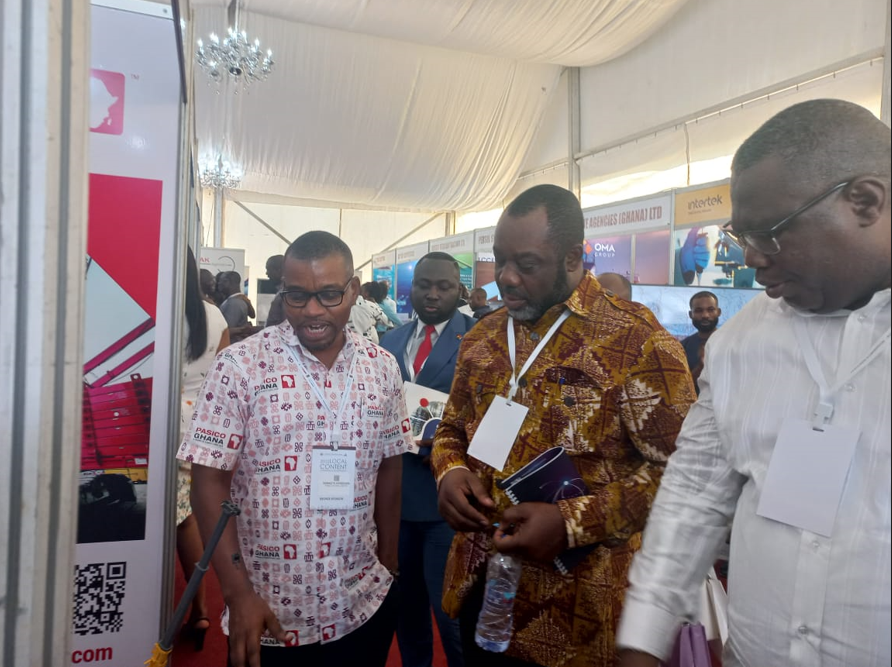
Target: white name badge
x=497 y=432
x=332 y=478
x=807 y=475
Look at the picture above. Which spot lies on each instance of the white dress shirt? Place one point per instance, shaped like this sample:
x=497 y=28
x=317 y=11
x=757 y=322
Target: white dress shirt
x=795 y=597
x=415 y=342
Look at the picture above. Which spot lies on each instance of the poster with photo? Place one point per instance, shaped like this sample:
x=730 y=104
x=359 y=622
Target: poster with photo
x=707 y=257
x=384 y=270
x=406 y=259
x=128 y=342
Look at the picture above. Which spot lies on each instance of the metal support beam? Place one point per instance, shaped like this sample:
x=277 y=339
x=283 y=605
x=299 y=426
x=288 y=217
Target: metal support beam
x=574 y=131
x=263 y=222
x=44 y=108
x=887 y=68
x=219 y=206
x=404 y=237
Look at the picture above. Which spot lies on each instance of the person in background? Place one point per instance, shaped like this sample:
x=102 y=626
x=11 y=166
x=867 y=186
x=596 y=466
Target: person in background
x=617 y=416
x=379 y=290
x=365 y=317
x=386 y=302
x=307 y=569
x=383 y=323
x=704 y=314
x=276 y=313
x=205 y=335
x=464 y=298
x=426 y=350
x=236 y=307
x=208 y=287
x=617 y=284
x=790 y=437
x=479 y=303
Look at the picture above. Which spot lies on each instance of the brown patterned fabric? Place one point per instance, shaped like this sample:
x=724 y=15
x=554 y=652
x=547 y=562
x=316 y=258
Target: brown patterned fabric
x=612 y=387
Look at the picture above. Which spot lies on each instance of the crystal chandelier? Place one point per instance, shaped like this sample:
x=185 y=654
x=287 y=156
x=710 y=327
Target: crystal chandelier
x=235 y=56
x=220 y=175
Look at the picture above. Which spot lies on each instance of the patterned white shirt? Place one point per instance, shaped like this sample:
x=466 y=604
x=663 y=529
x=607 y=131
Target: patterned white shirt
x=795 y=597
x=256 y=413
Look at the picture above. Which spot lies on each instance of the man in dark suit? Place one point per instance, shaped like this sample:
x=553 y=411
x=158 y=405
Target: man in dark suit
x=426 y=350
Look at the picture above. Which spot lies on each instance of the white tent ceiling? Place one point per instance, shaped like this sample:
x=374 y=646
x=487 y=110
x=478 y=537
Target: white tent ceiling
x=407 y=104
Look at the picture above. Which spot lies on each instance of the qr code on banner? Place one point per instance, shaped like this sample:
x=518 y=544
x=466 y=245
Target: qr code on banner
x=98 y=595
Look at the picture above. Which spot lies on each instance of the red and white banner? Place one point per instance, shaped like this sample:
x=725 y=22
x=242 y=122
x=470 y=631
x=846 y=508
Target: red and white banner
x=134 y=142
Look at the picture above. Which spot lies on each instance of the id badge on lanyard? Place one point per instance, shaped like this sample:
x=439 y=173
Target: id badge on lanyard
x=500 y=426
x=333 y=467
x=811 y=458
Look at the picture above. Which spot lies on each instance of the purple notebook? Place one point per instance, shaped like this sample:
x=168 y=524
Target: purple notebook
x=548 y=478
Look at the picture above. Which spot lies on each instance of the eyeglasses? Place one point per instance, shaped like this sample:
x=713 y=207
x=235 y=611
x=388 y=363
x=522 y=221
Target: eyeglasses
x=327 y=298
x=765 y=241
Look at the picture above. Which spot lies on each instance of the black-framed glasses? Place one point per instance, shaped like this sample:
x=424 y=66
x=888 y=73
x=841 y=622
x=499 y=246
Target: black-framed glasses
x=765 y=240
x=327 y=298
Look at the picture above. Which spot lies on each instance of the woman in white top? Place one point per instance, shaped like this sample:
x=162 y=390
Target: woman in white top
x=206 y=334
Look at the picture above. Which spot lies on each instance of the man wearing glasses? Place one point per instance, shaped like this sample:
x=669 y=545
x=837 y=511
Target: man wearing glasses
x=791 y=433
x=303 y=425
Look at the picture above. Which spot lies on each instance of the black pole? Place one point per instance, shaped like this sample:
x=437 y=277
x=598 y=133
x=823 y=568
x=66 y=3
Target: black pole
x=229 y=510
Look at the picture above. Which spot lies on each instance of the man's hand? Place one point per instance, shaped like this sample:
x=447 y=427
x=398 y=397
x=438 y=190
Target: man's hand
x=249 y=615
x=459 y=491
x=637 y=659
x=534 y=531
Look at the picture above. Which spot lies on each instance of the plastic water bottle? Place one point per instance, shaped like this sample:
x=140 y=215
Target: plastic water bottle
x=497 y=613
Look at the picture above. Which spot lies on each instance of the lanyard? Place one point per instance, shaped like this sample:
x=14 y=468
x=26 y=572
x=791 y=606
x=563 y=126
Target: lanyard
x=824 y=410
x=320 y=395
x=512 y=351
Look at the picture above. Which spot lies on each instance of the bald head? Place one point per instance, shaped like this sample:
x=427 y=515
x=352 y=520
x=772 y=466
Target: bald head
x=820 y=142
x=617 y=284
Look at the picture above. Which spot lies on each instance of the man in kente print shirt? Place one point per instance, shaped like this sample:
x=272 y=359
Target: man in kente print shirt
x=610 y=385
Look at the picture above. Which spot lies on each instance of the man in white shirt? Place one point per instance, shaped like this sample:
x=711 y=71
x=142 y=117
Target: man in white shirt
x=791 y=434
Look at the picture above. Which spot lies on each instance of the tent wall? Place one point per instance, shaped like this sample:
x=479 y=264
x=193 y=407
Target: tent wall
x=672 y=111
x=366 y=232
x=716 y=51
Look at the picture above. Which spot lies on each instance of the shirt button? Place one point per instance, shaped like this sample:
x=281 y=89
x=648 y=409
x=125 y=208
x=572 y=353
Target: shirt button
x=850 y=387
x=534 y=336
x=861 y=318
x=803 y=630
x=815 y=545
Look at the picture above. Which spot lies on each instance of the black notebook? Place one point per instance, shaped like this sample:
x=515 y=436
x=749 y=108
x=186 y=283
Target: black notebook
x=548 y=478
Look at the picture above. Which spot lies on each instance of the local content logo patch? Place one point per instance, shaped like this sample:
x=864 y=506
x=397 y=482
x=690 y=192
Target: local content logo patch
x=287 y=382
x=266 y=467
x=235 y=441
x=268 y=384
x=290 y=463
x=207 y=436
x=106 y=102
x=267 y=552
x=290 y=551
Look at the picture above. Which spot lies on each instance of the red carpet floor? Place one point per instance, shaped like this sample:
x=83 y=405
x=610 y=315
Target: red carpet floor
x=214 y=653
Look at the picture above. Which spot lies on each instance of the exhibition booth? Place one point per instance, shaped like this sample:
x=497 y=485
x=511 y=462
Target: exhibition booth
x=401 y=132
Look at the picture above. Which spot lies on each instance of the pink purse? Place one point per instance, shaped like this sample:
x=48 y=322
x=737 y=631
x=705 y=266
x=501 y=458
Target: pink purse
x=691 y=648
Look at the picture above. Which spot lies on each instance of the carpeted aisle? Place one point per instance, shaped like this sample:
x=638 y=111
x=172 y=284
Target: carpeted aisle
x=214 y=653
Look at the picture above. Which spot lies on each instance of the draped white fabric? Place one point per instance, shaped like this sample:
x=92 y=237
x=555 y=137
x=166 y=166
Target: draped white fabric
x=573 y=33
x=349 y=118
x=406 y=104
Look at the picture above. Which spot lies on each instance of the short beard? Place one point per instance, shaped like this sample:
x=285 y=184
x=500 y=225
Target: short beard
x=706 y=329
x=560 y=291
